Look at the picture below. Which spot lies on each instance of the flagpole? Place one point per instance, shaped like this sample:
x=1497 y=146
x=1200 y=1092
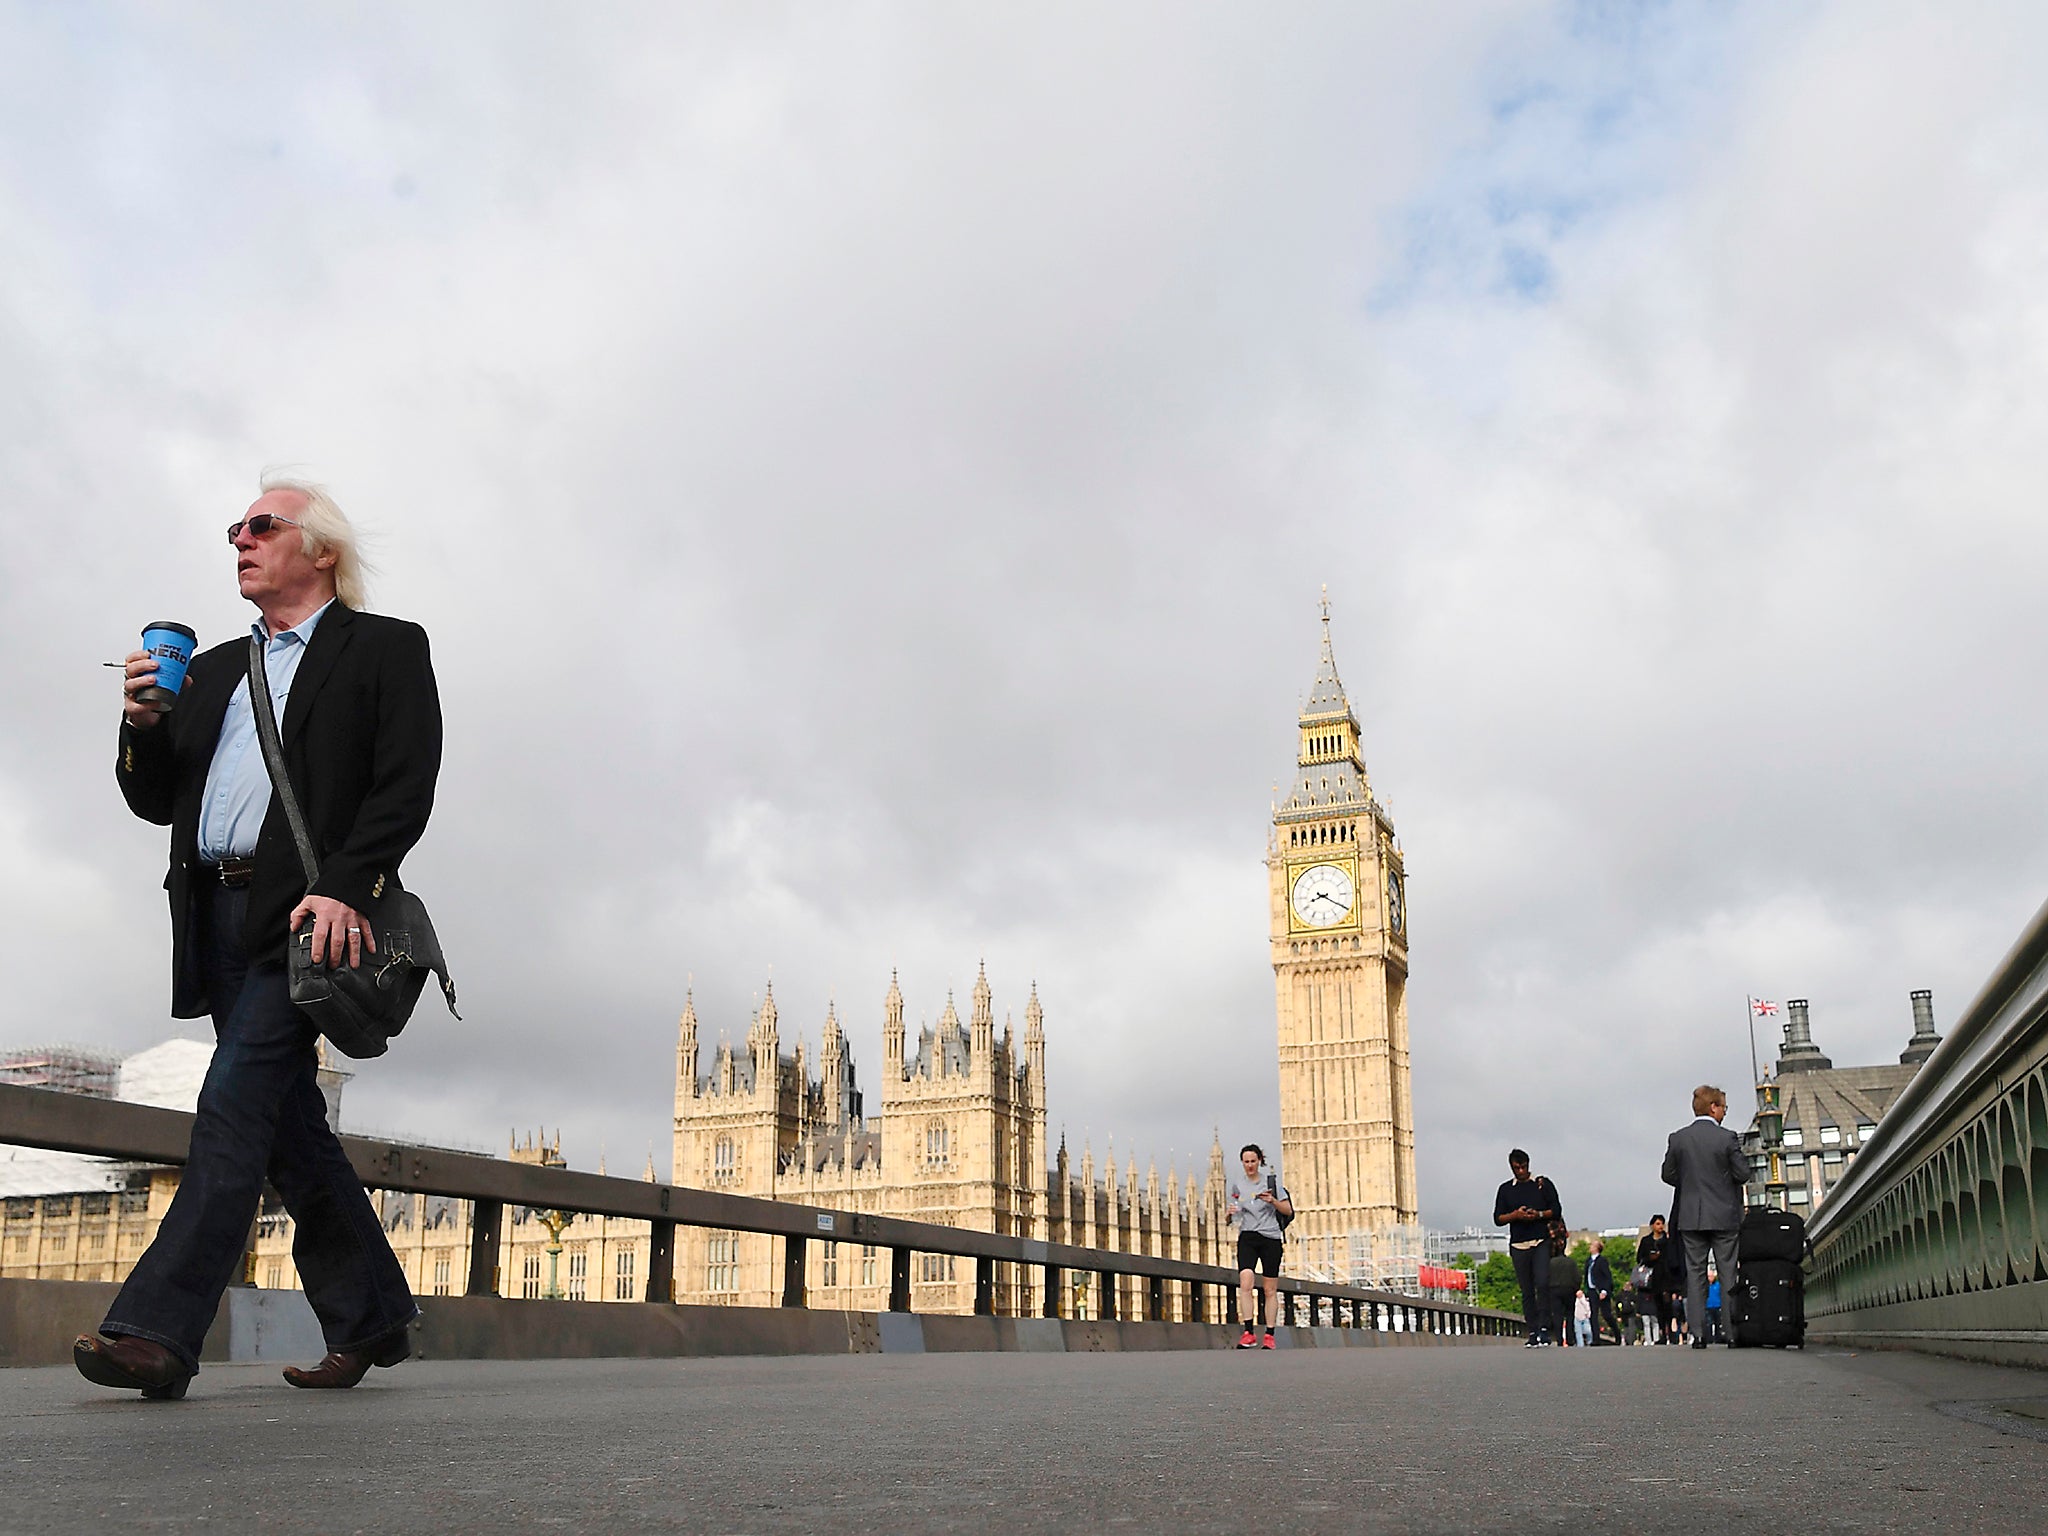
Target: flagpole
x=1749 y=1007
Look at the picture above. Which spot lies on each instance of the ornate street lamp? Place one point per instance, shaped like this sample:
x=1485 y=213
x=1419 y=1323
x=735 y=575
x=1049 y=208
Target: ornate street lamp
x=556 y=1222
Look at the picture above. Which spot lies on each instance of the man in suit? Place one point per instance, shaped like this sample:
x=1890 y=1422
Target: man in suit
x=360 y=721
x=1704 y=1163
x=1600 y=1290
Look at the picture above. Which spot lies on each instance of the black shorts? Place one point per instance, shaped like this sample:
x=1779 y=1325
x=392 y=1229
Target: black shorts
x=1255 y=1249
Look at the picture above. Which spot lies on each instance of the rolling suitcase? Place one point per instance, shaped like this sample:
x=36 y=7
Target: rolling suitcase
x=1767 y=1308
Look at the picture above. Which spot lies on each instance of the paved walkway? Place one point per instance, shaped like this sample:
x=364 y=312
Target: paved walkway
x=1644 y=1440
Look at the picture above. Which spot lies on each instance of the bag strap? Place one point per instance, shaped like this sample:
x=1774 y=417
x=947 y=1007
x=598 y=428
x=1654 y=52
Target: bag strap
x=273 y=759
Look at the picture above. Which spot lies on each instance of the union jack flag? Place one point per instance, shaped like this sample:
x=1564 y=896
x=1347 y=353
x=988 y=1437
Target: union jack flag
x=1762 y=1009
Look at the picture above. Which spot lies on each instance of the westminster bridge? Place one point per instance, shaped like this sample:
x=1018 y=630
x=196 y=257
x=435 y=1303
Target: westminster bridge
x=1911 y=1408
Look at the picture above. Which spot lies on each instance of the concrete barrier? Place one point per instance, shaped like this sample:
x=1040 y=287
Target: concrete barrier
x=39 y=1319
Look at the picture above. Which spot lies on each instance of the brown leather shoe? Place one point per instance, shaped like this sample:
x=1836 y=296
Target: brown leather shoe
x=344 y=1368
x=138 y=1364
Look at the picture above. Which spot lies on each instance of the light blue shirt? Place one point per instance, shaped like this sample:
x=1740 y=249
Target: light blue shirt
x=237 y=783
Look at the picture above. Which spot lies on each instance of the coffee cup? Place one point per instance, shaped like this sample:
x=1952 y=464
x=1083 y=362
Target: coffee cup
x=170 y=646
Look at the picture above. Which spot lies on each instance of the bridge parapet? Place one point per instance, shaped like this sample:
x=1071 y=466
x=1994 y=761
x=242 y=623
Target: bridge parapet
x=1934 y=1238
x=1200 y=1293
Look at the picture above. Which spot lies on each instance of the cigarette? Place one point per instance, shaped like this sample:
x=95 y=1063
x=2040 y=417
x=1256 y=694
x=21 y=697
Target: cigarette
x=121 y=664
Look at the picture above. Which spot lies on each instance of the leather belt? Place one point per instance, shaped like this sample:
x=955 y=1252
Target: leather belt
x=234 y=873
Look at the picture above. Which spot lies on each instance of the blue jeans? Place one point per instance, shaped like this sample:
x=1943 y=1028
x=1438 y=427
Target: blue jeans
x=261 y=1113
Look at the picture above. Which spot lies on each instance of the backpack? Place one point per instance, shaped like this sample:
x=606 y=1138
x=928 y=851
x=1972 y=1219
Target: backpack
x=1285 y=1218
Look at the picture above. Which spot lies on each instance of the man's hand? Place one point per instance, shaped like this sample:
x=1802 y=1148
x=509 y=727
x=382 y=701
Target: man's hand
x=140 y=674
x=337 y=929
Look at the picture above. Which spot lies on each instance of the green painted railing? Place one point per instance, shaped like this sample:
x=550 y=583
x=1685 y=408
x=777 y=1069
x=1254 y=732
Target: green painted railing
x=1937 y=1236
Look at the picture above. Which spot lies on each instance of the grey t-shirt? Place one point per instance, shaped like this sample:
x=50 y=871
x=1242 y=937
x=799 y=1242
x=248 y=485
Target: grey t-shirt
x=1250 y=1212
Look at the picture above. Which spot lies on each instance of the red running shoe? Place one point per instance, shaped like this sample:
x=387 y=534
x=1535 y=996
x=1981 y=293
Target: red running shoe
x=1267 y=1342
x=1247 y=1341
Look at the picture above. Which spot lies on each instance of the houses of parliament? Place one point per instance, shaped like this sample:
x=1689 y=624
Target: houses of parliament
x=957 y=1133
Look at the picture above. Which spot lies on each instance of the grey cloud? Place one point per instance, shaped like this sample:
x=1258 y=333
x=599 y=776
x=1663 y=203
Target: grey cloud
x=868 y=478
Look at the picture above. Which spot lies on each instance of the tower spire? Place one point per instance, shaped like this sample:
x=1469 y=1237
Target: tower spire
x=1327 y=696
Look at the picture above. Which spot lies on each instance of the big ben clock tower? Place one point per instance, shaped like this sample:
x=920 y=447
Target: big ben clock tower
x=1340 y=970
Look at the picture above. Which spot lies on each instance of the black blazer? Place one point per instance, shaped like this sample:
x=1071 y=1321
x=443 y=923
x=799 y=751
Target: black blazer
x=362 y=742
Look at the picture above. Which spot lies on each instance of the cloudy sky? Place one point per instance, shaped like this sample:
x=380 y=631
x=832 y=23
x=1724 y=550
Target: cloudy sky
x=869 y=472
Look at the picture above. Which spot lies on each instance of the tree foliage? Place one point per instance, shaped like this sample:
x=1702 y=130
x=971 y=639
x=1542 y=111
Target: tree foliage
x=1493 y=1284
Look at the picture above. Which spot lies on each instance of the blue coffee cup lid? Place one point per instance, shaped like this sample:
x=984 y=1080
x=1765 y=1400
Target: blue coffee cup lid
x=174 y=627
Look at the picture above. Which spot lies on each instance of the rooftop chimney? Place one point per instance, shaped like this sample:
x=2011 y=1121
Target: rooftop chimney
x=1924 y=1040
x=1800 y=1053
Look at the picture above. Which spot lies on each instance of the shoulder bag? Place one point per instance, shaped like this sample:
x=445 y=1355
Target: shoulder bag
x=358 y=1008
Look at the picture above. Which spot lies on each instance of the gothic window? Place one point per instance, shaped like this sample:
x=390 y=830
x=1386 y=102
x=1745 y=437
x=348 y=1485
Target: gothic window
x=867 y=1264
x=828 y=1266
x=722 y=1269
x=937 y=1151
x=441 y=1277
x=273 y=1275
x=724 y=1161
x=935 y=1268
x=529 y=1277
x=579 y=1271
x=622 y=1285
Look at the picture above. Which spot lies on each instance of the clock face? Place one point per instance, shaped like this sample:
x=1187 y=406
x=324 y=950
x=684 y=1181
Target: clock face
x=1397 y=904
x=1323 y=896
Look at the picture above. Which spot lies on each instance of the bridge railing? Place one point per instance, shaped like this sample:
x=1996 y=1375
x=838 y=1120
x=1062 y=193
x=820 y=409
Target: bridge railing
x=38 y=1117
x=1937 y=1235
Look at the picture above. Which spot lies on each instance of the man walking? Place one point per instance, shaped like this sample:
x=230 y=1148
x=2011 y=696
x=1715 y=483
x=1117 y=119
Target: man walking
x=1600 y=1290
x=1526 y=1207
x=1257 y=1202
x=1704 y=1163
x=361 y=725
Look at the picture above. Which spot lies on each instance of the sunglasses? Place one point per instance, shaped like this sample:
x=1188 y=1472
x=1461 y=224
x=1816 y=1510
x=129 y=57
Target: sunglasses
x=258 y=525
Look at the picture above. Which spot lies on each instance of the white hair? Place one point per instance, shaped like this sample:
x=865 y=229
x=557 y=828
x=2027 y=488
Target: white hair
x=326 y=530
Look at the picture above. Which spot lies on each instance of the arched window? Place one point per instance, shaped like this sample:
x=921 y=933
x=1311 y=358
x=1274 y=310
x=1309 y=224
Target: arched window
x=937 y=1148
x=724 y=1161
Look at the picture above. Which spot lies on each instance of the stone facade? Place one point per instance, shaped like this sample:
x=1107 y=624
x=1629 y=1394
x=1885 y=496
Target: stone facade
x=958 y=1138
x=1340 y=967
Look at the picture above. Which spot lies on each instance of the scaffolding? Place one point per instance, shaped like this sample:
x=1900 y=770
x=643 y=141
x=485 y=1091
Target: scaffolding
x=1384 y=1259
x=66 y=1068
